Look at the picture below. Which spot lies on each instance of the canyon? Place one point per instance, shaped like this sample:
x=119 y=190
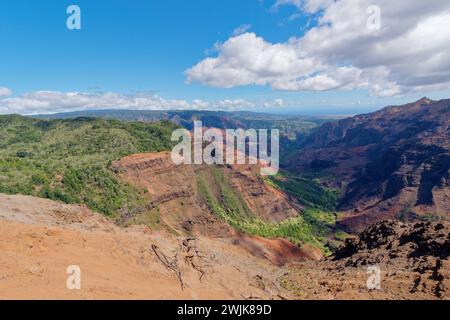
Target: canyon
x=391 y=164
x=41 y=238
x=365 y=193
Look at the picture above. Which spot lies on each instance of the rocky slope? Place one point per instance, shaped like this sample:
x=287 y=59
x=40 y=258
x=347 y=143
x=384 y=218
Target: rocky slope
x=41 y=238
x=393 y=163
x=413 y=260
x=173 y=189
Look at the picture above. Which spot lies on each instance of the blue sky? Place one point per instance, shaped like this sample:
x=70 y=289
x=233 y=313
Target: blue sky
x=145 y=47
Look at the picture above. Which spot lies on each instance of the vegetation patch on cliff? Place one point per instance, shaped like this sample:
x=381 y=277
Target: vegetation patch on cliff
x=308 y=192
x=311 y=227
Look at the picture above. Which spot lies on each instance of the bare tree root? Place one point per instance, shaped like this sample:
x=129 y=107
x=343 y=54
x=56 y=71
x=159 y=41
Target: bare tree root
x=191 y=252
x=191 y=255
x=170 y=263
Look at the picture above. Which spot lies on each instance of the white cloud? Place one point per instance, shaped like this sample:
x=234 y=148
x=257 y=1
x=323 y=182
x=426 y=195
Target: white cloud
x=247 y=59
x=294 y=16
x=411 y=51
x=241 y=29
x=39 y=102
x=234 y=104
x=279 y=3
x=309 y=6
x=56 y=101
x=5 y=92
x=273 y=103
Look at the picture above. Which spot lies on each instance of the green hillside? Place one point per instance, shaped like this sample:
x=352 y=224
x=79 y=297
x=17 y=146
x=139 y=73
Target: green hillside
x=69 y=160
x=313 y=226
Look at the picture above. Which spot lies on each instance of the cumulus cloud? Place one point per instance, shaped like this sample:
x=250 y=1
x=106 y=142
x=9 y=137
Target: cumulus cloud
x=5 y=92
x=39 y=102
x=409 y=52
x=248 y=59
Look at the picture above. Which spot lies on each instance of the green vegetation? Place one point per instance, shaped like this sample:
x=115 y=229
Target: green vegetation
x=320 y=204
x=431 y=217
x=311 y=227
x=341 y=236
x=293 y=129
x=70 y=160
x=151 y=219
x=408 y=214
x=308 y=192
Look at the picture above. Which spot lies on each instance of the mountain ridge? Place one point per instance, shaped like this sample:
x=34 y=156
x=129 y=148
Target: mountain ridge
x=392 y=163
